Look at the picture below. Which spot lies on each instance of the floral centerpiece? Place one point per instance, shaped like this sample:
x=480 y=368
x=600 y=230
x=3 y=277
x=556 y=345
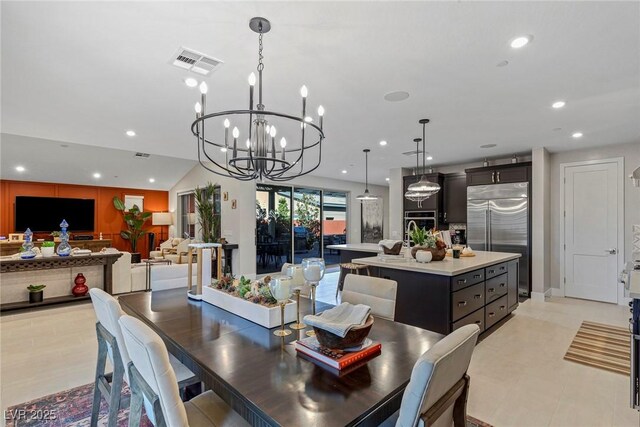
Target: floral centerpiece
x=255 y=291
x=428 y=240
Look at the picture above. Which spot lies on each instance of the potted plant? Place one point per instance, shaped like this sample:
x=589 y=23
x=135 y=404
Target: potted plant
x=428 y=240
x=47 y=248
x=208 y=220
x=35 y=293
x=135 y=219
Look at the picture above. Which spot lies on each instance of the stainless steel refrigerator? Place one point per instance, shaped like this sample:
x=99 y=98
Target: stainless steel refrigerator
x=498 y=220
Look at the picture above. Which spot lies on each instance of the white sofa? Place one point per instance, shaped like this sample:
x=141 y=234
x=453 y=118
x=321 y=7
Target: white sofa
x=132 y=278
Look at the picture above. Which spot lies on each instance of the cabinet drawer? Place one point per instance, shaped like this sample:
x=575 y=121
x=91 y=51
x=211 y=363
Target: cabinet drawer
x=467 y=279
x=467 y=301
x=477 y=317
x=495 y=287
x=495 y=270
x=495 y=311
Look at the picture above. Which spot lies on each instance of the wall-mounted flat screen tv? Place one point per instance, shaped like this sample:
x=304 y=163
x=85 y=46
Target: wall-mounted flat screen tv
x=44 y=214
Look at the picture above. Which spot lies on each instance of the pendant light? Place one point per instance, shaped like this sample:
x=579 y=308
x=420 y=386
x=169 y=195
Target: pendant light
x=423 y=189
x=366 y=196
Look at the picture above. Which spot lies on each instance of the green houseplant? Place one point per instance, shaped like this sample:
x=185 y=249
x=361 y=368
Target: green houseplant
x=428 y=240
x=208 y=221
x=47 y=248
x=135 y=219
x=35 y=293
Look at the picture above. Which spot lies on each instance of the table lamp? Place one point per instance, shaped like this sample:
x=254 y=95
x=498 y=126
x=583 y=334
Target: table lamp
x=161 y=219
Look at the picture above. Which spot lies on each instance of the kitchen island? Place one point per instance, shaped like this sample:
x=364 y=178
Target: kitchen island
x=350 y=251
x=442 y=296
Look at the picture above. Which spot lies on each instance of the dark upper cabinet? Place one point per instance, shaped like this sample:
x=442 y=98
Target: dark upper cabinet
x=433 y=203
x=501 y=174
x=455 y=198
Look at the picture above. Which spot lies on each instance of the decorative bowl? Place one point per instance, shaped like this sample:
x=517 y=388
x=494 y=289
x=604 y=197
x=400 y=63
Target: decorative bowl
x=438 y=254
x=354 y=337
x=395 y=250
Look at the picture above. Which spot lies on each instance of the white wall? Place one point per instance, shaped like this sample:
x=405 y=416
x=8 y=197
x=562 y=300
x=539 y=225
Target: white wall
x=631 y=154
x=540 y=226
x=238 y=226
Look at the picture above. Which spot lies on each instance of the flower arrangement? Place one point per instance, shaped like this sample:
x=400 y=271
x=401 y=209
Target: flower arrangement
x=427 y=238
x=255 y=291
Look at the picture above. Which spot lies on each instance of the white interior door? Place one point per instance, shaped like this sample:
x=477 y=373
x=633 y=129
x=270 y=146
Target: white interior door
x=591 y=204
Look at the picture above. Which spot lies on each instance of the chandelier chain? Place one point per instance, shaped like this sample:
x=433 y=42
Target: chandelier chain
x=260 y=56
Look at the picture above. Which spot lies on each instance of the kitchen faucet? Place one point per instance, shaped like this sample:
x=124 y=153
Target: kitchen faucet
x=409 y=228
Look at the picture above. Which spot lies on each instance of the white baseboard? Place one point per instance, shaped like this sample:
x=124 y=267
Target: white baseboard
x=541 y=296
x=557 y=292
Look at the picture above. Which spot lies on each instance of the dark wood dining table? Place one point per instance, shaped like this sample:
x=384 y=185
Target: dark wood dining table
x=262 y=378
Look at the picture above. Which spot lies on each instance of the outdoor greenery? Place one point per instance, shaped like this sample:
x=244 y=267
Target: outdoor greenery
x=308 y=216
x=135 y=219
x=208 y=220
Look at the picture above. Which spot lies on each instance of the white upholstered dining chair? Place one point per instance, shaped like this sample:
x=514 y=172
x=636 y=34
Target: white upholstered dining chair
x=437 y=392
x=153 y=379
x=111 y=345
x=377 y=293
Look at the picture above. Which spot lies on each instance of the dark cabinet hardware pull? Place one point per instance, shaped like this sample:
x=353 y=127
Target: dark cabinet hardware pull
x=502 y=285
x=498 y=176
x=462 y=303
x=477 y=296
x=462 y=281
x=478 y=322
x=491 y=271
x=477 y=276
x=502 y=268
x=491 y=290
x=493 y=177
x=502 y=307
x=491 y=314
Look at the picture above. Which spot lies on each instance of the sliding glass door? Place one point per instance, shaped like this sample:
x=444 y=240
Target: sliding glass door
x=307 y=224
x=273 y=227
x=334 y=224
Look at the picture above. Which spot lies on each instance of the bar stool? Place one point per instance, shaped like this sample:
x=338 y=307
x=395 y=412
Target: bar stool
x=349 y=268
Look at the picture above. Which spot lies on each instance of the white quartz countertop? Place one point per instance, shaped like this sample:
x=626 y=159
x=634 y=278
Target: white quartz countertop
x=447 y=267
x=634 y=284
x=359 y=247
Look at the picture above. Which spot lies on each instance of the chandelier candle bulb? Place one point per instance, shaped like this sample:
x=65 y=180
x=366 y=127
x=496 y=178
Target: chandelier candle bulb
x=320 y=114
x=283 y=143
x=252 y=83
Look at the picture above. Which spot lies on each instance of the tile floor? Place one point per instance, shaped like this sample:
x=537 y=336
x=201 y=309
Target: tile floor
x=518 y=376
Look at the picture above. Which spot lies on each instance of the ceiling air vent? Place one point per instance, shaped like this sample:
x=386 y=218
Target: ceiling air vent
x=196 y=62
x=144 y=155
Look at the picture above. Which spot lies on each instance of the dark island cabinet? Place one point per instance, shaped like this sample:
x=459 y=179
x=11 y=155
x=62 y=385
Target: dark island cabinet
x=502 y=174
x=455 y=198
x=445 y=303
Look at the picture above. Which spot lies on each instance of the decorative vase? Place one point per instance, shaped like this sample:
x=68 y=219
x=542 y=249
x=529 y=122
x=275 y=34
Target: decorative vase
x=438 y=254
x=416 y=249
x=80 y=289
x=27 y=247
x=35 y=297
x=136 y=257
x=64 y=248
x=47 y=251
x=424 y=256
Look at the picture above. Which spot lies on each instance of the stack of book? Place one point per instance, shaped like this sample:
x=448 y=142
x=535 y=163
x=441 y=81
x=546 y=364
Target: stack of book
x=336 y=359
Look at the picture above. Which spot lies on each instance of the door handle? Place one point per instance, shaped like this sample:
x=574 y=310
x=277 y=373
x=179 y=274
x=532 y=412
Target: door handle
x=611 y=251
x=498 y=176
x=493 y=177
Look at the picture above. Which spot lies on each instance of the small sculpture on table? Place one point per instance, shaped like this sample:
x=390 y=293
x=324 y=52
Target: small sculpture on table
x=27 y=246
x=64 y=248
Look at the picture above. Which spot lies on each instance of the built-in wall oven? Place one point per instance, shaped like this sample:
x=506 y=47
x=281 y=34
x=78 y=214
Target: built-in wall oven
x=422 y=219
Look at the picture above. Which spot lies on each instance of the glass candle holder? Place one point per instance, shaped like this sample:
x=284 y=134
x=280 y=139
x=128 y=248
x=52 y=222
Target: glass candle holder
x=280 y=287
x=313 y=270
x=295 y=272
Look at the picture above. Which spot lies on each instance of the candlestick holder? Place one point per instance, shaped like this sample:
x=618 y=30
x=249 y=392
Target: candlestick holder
x=298 y=325
x=280 y=288
x=282 y=332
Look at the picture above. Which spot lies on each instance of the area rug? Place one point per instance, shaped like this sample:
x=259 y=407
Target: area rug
x=601 y=346
x=72 y=408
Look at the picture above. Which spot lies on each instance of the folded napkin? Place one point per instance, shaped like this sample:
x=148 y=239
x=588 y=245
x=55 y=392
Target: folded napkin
x=389 y=244
x=339 y=320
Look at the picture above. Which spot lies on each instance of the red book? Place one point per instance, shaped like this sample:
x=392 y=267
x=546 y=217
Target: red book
x=337 y=359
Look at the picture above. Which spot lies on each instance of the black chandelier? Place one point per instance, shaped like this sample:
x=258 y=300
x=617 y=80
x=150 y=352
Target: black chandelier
x=259 y=157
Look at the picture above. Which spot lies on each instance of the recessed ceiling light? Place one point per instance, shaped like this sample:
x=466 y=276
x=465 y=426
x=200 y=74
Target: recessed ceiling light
x=191 y=82
x=577 y=135
x=383 y=143
x=386 y=179
x=429 y=157
x=131 y=133
x=96 y=175
x=488 y=145
x=558 y=104
x=152 y=180
x=344 y=171
x=521 y=41
x=396 y=96
x=20 y=168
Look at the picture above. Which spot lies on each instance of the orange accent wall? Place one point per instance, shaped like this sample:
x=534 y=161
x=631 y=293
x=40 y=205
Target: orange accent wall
x=107 y=219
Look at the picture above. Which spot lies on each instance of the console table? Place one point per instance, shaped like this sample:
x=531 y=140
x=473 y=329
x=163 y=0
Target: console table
x=10 y=248
x=22 y=266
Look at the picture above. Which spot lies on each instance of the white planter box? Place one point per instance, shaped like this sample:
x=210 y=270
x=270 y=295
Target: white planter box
x=263 y=316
